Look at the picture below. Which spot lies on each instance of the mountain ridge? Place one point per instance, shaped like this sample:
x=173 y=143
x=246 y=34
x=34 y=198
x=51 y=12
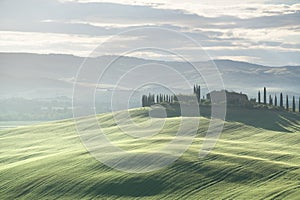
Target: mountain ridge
x=144 y=59
x=27 y=74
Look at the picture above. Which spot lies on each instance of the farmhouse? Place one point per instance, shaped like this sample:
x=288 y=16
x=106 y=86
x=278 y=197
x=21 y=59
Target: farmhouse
x=233 y=98
x=186 y=98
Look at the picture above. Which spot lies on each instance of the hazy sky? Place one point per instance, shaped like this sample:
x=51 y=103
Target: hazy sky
x=259 y=31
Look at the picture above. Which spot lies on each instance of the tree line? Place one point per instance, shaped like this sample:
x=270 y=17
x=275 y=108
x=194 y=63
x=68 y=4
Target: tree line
x=273 y=101
x=151 y=99
x=276 y=101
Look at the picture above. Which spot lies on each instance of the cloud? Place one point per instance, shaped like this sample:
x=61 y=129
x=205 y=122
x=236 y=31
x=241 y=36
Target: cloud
x=208 y=8
x=239 y=58
x=224 y=28
x=35 y=42
x=269 y=36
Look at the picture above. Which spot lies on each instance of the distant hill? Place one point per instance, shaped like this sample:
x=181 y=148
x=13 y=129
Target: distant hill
x=47 y=76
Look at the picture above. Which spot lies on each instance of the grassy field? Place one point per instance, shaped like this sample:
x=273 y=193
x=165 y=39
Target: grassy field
x=13 y=124
x=48 y=161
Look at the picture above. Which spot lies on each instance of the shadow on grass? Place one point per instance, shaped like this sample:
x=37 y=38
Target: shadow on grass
x=274 y=120
x=133 y=187
x=262 y=118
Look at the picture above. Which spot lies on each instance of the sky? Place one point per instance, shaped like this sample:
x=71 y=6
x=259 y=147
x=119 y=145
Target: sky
x=258 y=31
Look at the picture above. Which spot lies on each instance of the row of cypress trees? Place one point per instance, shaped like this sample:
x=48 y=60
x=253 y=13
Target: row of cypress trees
x=152 y=99
x=274 y=101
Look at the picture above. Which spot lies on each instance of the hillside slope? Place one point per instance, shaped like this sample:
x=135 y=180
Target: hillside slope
x=48 y=161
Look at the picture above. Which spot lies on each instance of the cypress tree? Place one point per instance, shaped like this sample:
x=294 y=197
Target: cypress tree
x=287 y=102
x=199 y=94
x=143 y=101
x=175 y=98
x=294 y=104
x=299 y=104
x=270 y=100
x=147 y=100
x=275 y=100
x=265 y=95
x=281 y=100
x=259 y=101
x=151 y=99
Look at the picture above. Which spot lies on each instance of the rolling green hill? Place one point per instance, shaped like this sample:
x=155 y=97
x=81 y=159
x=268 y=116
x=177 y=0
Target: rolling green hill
x=48 y=161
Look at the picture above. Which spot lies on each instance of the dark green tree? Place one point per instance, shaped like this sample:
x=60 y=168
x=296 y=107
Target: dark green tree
x=287 y=102
x=275 y=100
x=259 y=100
x=294 y=104
x=270 y=100
x=145 y=101
x=153 y=99
x=197 y=92
x=175 y=98
x=265 y=95
x=150 y=100
x=281 y=100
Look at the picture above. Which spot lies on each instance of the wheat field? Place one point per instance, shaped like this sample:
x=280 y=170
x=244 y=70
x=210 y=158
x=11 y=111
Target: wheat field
x=48 y=161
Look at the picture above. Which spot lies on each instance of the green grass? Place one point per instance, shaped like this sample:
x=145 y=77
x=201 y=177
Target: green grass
x=48 y=161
